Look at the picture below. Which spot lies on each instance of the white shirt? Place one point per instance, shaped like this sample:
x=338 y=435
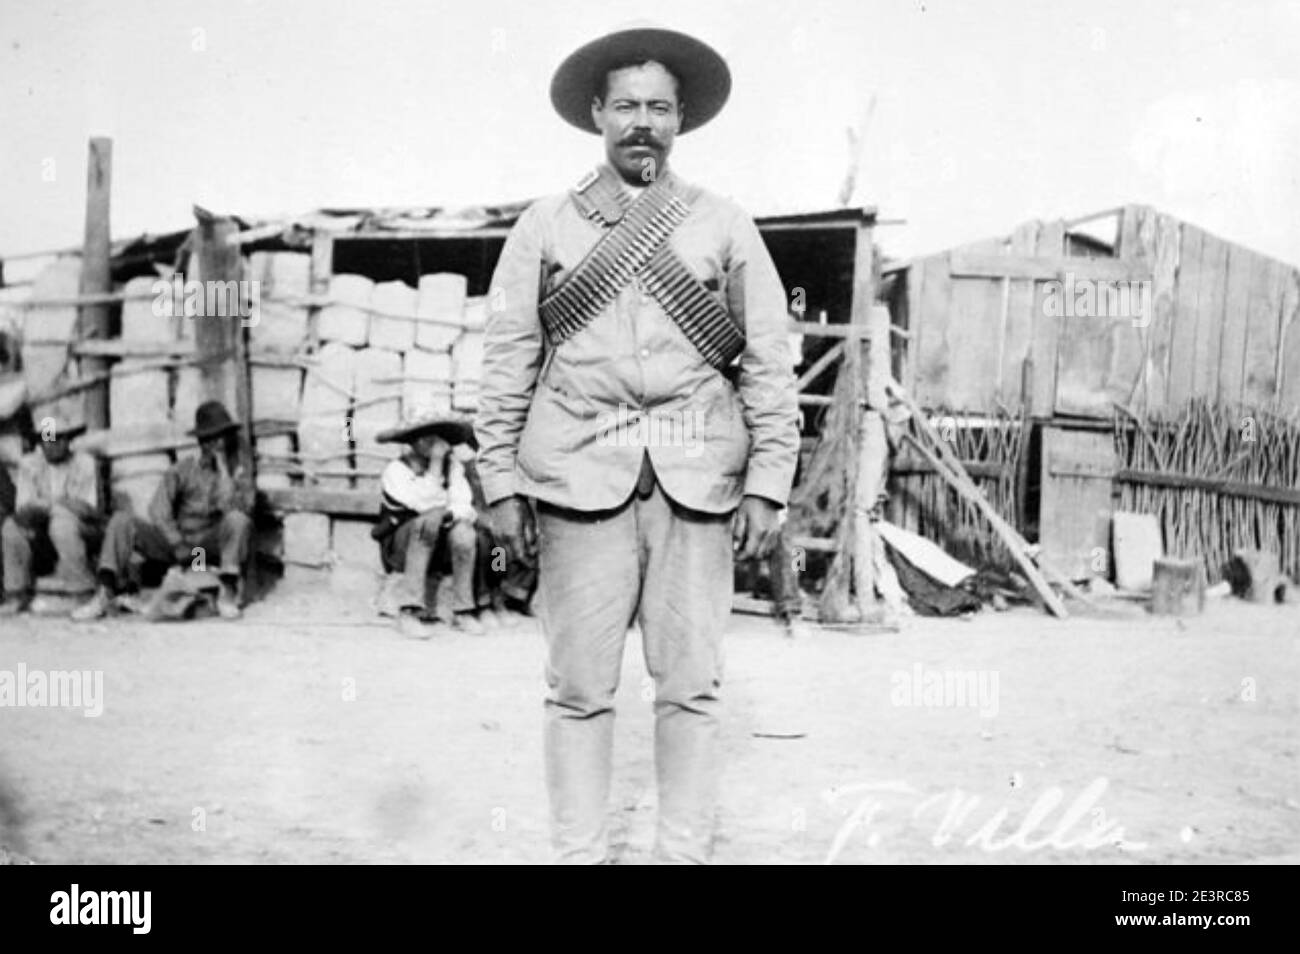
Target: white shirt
x=424 y=492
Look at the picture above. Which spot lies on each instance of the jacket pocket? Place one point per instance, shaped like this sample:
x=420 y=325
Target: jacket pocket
x=727 y=438
x=555 y=429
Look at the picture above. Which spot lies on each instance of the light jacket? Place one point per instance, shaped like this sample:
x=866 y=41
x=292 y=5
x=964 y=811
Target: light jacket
x=570 y=425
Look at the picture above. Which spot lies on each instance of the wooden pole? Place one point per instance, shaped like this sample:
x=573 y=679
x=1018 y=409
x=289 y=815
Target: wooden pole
x=222 y=356
x=96 y=272
x=879 y=365
x=322 y=267
x=861 y=497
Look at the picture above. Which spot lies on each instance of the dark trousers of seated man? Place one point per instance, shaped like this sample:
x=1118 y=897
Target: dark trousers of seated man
x=432 y=540
x=224 y=545
x=40 y=543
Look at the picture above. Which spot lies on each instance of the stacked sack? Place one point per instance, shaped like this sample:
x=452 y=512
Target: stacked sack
x=325 y=421
x=388 y=351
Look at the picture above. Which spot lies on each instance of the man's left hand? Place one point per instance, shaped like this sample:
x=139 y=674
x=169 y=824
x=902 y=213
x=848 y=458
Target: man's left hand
x=755 y=528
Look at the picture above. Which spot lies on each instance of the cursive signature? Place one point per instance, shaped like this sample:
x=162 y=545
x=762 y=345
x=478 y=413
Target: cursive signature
x=955 y=809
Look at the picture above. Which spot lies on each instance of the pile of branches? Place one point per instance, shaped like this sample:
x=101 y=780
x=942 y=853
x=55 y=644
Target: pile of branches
x=1235 y=447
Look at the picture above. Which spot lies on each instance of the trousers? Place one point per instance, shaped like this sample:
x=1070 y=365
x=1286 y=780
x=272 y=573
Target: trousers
x=128 y=534
x=28 y=551
x=423 y=540
x=669 y=569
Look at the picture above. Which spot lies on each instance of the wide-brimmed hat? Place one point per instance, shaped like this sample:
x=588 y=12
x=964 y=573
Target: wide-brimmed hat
x=701 y=71
x=452 y=428
x=60 y=425
x=212 y=419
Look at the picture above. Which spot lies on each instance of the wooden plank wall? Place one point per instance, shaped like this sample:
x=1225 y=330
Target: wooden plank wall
x=1224 y=323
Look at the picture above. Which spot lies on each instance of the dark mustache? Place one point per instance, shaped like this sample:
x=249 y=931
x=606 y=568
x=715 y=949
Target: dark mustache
x=640 y=139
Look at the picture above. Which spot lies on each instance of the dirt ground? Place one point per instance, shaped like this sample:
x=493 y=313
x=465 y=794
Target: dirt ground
x=311 y=733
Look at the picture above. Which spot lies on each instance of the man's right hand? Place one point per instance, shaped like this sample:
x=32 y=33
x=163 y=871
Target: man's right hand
x=514 y=529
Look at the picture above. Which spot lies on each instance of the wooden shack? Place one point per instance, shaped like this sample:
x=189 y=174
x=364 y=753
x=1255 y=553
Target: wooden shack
x=1042 y=350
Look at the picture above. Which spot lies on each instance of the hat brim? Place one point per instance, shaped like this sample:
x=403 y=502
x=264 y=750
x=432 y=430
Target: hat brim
x=702 y=72
x=452 y=431
x=214 y=431
x=68 y=432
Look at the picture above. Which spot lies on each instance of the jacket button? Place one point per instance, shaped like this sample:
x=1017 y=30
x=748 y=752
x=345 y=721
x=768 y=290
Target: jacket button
x=645 y=352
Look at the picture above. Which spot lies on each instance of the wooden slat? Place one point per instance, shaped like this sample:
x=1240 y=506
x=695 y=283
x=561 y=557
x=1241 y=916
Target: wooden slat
x=907 y=462
x=1210 y=299
x=1100 y=364
x=813 y=329
x=158 y=438
x=133 y=349
x=833 y=354
x=1130 y=222
x=931 y=323
x=1289 y=351
x=1108 y=357
x=419 y=235
x=1263 y=333
x=1018 y=320
x=93 y=320
x=975 y=313
x=1128 y=374
x=958 y=315
x=353 y=503
x=1242 y=271
x=322 y=267
x=139 y=439
x=1044 y=267
x=1042 y=351
x=915 y=277
x=1233 y=488
x=1075 y=503
x=1157 y=336
x=1183 y=329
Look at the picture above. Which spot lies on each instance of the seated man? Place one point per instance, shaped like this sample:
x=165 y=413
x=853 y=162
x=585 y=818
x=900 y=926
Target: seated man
x=55 y=523
x=426 y=512
x=200 y=511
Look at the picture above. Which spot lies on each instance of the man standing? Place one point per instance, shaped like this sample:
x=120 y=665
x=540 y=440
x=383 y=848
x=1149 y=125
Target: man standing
x=56 y=521
x=199 y=512
x=637 y=387
x=425 y=509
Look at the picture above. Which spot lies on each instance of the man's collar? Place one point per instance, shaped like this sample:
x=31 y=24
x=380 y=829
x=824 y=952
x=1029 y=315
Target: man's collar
x=610 y=174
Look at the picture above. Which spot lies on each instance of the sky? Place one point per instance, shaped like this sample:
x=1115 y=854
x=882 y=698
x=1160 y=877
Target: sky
x=986 y=114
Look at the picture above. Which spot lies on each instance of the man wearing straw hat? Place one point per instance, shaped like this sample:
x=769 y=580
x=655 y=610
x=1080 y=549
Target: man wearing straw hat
x=198 y=516
x=426 y=510
x=55 y=526
x=637 y=389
